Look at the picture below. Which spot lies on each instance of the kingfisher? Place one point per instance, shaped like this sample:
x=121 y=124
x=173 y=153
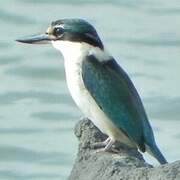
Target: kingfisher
x=99 y=86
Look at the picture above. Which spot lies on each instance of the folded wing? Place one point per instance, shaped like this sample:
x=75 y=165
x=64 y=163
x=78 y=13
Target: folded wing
x=115 y=94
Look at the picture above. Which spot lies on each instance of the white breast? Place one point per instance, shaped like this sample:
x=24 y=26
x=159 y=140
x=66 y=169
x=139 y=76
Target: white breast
x=73 y=60
x=82 y=97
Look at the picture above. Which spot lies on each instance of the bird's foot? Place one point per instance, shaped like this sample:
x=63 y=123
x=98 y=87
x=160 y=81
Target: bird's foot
x=108 y=146
x=101 y=144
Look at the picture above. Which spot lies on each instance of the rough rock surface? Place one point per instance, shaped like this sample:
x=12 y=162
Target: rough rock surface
x=127 y=164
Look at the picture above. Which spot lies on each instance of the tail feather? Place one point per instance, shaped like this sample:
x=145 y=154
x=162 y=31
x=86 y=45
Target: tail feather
x=155 y=152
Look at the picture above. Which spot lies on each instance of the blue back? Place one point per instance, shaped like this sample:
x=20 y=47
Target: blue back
x=115 y=94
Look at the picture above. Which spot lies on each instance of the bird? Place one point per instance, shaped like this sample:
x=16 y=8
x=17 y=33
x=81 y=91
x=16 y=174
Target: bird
x=100 y=87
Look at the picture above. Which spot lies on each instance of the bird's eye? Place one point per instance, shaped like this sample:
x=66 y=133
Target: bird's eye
x=58 y=31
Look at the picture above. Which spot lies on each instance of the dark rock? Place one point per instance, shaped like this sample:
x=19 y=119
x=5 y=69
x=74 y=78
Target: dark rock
x=127 y=164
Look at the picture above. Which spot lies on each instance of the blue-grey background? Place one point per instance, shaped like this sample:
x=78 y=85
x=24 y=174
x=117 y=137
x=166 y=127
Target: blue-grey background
x=37 y=114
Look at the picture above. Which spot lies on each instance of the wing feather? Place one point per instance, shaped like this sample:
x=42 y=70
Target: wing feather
x=114 y=92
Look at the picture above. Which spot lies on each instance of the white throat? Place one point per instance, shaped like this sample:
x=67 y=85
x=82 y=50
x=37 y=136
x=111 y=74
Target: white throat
x=70 y=50
x=77 y=50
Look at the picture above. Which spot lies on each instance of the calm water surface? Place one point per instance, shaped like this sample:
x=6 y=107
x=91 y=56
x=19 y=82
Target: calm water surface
x=37 y=114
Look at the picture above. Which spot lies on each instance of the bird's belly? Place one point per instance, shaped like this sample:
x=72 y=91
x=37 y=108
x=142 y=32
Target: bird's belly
x=89 y=107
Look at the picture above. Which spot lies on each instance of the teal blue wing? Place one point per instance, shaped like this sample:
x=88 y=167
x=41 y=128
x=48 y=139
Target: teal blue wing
x=115 y=94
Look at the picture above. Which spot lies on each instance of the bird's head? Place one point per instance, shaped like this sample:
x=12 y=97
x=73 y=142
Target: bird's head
x=66 y=30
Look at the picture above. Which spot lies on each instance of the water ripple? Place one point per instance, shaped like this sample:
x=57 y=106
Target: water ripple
x=128 y=3
x=163 y=107
x=30 y=131
x=36 y=72
x=148 y=41
x=164 y=11
x=6 y=60
x=19 y=131
x=9 y=17
x=21 y=154
x=43 y=97
x=4 y=45
x=148 y=76
x=52 y=116
x=14 y=175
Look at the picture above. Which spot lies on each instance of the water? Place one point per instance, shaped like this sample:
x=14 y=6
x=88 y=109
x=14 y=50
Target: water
x=36 y=111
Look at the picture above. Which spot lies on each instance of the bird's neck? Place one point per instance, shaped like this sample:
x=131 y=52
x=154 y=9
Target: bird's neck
x=76 y=51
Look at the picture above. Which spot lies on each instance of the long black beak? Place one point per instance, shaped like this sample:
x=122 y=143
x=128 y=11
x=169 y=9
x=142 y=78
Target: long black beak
x=36 y=39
